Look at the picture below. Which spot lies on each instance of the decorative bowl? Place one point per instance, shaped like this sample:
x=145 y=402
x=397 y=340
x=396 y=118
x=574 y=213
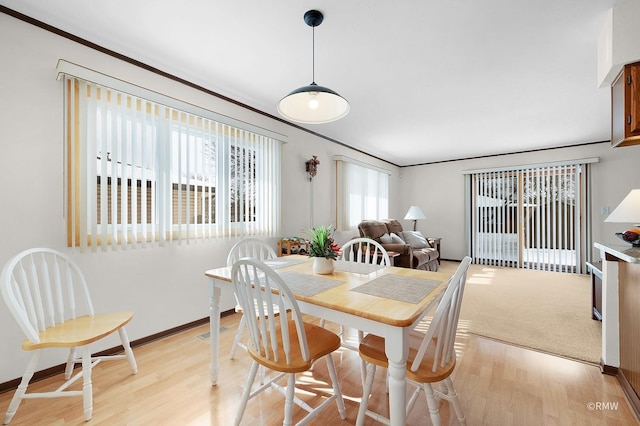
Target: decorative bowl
x=624 y=236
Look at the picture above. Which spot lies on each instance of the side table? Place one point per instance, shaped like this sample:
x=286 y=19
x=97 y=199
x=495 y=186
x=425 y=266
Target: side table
x=392 y=256
x=288 y=247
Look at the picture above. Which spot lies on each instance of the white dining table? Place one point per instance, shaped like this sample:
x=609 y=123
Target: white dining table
x=387 y=301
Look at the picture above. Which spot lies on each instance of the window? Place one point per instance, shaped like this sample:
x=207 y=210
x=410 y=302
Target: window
x=143 y=172
x=362 y=193
x=533 y=217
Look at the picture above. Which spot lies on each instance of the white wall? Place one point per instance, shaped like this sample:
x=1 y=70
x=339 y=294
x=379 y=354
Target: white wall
x=165 y=287
x=439 y=189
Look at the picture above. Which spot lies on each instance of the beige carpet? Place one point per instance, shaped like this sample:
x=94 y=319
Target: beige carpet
x=547 y=311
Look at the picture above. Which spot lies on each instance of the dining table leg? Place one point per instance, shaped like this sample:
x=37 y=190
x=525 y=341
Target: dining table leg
x=214 y=330
x=397 y=350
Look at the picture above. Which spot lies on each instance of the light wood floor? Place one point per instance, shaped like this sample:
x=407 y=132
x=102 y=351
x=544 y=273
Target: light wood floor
x=497 y=384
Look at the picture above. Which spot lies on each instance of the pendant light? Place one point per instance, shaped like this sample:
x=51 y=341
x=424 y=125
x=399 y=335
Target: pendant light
x=313 y=104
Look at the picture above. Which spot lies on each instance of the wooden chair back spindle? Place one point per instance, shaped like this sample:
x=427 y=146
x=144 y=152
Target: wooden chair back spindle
x=364 y=250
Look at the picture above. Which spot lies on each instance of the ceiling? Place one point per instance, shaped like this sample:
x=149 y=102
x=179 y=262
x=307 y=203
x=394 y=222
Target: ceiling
x=427 y=80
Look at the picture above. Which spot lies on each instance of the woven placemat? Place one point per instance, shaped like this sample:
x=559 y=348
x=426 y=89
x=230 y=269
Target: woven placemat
x=308 y=285
x=282 y=262
x=398 y=287
x=358 y=268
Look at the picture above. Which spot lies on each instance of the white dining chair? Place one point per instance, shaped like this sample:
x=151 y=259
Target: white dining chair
x=365 y=251
x=47 y=295
x=431 y=358
x=286 y=346
x=257 y=249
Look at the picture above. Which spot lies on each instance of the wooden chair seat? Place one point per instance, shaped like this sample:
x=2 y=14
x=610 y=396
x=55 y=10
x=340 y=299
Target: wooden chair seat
x=79 y=331
x=321 y=342
x=372 y=351
x=239 y=309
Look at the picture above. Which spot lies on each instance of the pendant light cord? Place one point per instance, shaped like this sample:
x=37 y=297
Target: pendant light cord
x=313 y=54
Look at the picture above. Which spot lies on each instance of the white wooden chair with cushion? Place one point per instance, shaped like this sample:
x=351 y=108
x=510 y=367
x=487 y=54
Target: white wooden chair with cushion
x=257 y=249
x=287 y=346
x=48 y=296
x=431 y=359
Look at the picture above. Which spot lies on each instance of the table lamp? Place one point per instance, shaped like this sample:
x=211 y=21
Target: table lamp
x=628 y=211
x=414 y=214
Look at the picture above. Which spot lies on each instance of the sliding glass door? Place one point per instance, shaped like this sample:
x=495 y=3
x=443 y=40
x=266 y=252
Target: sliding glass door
x=533 y=217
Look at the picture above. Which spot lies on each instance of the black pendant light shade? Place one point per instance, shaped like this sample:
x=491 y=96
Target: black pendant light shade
x=313 y=104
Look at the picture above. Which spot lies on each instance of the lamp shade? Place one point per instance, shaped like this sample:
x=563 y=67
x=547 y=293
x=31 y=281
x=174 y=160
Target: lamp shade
x=628 y=211
x=313 y=104
x=414 y=213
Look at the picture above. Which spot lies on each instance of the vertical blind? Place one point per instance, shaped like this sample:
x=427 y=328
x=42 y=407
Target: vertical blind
x=140 y=172
x=362 y=193
x=533 y=217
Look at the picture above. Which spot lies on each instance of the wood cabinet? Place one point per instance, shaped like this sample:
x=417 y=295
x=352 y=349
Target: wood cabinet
x=620 y=325
x=625 y=107
x=630 y=331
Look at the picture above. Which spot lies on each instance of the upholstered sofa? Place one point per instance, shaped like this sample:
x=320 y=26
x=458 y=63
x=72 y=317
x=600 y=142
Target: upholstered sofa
x=414 y=250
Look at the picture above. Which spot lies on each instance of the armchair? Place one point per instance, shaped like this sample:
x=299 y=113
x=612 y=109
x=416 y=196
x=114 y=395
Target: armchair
x=413 y=252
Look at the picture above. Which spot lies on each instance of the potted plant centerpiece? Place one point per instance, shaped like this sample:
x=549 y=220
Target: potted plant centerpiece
x=322 y=248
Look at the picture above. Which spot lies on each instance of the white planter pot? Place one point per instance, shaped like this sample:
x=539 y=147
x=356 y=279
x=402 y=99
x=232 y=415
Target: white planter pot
x=322 y=265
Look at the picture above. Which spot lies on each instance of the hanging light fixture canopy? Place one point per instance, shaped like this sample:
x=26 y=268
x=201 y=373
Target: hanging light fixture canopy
x=313 y=104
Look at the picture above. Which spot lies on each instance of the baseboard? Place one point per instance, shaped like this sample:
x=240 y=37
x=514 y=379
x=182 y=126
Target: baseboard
x=607 y=369
x=630 y=393
x=59 y=369
x=632 y=397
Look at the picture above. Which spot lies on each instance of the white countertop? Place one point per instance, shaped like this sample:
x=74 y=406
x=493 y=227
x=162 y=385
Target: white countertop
x=622 y=251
